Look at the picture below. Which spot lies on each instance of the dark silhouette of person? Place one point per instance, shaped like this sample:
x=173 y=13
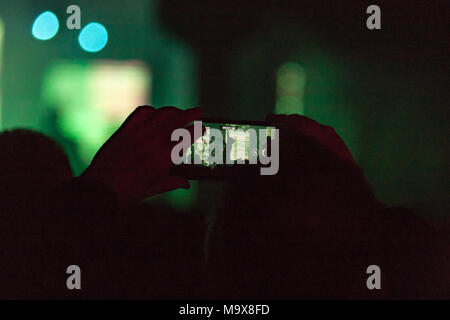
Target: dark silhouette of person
x=30 y=164
x=124 y=250
x=312 y=230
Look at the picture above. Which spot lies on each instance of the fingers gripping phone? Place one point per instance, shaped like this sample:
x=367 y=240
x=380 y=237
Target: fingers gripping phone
x=230 y=149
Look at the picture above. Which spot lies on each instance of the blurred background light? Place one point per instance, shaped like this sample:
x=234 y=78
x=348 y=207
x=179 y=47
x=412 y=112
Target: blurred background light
x=291 y=81
x=93 y=98
x=45 y=26
x=80 y=99
x=93 y=37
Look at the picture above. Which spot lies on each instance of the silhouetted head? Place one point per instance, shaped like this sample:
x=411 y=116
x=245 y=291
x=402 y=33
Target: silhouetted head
x=30 y=164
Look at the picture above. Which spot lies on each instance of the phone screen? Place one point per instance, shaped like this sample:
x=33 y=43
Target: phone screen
x=242 y=143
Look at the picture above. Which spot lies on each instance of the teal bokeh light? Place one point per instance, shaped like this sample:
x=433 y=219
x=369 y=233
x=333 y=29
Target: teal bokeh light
x=93 y=37
x=45 y=26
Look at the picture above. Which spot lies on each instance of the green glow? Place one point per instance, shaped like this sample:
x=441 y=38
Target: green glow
x=291 y=81
x=93 y=99
x=182 y=199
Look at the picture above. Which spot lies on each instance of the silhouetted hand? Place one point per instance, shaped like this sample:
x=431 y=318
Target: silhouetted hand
x=135 y=162
x=316 y=165
x=305 y=128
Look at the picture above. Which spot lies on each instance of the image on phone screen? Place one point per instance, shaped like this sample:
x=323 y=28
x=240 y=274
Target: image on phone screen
x=241 y=141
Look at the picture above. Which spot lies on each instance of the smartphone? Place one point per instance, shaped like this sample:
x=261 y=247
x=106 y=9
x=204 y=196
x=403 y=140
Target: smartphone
x=229 y=149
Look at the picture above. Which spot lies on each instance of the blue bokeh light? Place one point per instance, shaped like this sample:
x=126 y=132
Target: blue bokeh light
x=45 y=26
x=93 y=37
